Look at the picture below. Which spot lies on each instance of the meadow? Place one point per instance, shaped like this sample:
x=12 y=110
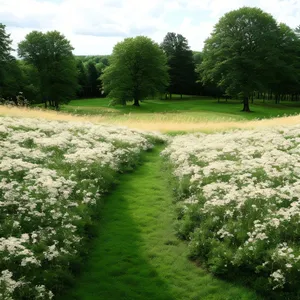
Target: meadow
x=237 y=199
x=102 y=211
x=194 y=108
x=53 y=176
x=176 y=116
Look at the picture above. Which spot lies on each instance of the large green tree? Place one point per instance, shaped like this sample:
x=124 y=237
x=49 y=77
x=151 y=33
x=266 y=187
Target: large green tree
x=138 y=69
x=51 y=54
x=242 y=53
x=181 y=63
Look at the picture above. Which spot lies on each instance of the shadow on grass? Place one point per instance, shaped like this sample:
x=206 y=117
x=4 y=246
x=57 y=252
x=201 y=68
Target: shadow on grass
x=116 y=268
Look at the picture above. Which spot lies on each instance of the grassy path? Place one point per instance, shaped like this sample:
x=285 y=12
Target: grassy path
x=137 y=256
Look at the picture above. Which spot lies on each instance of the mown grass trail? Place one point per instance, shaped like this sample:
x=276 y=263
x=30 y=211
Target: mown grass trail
x=137 y=256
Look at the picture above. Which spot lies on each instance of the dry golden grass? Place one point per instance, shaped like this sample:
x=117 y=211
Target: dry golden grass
x=158 y=123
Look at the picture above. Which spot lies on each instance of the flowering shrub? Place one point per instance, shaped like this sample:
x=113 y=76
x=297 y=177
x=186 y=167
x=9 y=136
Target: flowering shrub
x=238 y=198
x=52 y=177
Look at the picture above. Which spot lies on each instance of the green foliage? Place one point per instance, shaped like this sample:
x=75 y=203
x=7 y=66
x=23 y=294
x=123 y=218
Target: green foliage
x=8 y=68
x=288 y=72
x=82 y=78
x=101 y=61
x=11 y=79
x=51 y=54
x=138 y=69
x=5 y=45
x=181 y=63
x=30 y=83
x=93 y=81
x=242 y=53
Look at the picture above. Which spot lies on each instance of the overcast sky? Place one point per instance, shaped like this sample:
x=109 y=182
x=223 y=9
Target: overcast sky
x=95 y=26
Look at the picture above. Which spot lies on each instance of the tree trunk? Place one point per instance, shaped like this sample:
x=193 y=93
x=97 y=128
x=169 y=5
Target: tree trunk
x=56 y=105
x=136 y=102
x=246 y=104
x=180 y=96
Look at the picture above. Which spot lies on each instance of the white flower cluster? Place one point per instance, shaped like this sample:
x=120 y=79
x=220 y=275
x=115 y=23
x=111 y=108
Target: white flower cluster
x=245 y=187
x=51 y=176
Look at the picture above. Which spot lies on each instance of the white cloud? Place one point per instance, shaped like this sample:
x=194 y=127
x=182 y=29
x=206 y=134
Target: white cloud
x=95 y=26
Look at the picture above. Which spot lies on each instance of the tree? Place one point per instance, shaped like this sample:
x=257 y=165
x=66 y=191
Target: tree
x=30 y=82
x=82 y=78
x=7 y=62
x=5 y=45
x=287 y=76
x=11 y=81
x=93 y=80
x=51 y=54
x=242 y=53
x=181 y=63
x=198 y=58
x=138 y=69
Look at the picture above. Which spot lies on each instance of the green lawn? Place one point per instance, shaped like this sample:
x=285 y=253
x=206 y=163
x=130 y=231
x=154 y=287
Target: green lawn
x=188 y=109
x=136 y=255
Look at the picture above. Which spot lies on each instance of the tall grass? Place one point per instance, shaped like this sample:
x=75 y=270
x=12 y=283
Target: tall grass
x=157 y=122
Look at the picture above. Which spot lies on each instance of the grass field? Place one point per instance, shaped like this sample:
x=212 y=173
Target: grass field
x=189 y=109
x=190 y=114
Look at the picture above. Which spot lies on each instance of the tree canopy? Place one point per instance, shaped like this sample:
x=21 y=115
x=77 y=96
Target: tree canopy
x=181 y=63
x=8 y=68
x=51 y=54
x=138 y=69
x=242 y=53
x=287 y=73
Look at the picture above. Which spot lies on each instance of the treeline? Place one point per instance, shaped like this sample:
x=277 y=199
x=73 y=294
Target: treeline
x=89 y=70
x=47 y=72
x=248 y=56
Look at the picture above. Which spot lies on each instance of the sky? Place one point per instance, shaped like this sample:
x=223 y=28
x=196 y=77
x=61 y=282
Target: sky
x=95 y=26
